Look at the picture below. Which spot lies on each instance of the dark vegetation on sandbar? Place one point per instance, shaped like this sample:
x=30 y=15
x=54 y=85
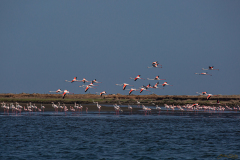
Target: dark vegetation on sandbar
x=230 y=100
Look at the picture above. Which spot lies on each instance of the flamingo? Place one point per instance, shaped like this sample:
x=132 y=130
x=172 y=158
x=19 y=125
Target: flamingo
x=65 y=109
x=165 y=83
x=55 y=107
x=57 y=91
x=131 y=90
x=156 y=78
x=158 y=108
x=138 y=77
x=203 y=73
x=84 y=80
x=65 y=92
x=203 y=93
x=74 y=80
x=130 y=107
x=155 y=65
x=124 y=85
x=59 y=106
x=95 y=81
x=209 y=96
x=99 y=107
x=103 y=93
x=87 y=87
x=42 y=107
x=144 y=88
x=210 y=68
x=72 y=109
x=117 y=109
x=146 y=109
x=156 y=86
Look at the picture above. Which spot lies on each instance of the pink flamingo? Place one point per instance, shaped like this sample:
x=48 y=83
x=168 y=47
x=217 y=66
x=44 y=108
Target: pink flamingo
x=210 y=68
x=165 y=83
x=124 y=85
x=156 y=78
x=138 y=77
x=203 y=73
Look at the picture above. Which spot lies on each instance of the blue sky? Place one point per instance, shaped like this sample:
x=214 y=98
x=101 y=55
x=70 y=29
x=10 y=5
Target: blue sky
x=44 y=43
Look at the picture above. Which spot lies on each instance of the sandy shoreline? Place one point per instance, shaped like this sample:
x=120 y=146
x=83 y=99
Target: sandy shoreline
x=230 y=100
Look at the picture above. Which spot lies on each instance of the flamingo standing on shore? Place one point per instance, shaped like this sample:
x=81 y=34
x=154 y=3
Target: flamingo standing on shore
x=42 y=107
x=146 y=109
x=55 y=107
x=98 y=106
x=117 y=109
x=130 y=107
x=158 y=108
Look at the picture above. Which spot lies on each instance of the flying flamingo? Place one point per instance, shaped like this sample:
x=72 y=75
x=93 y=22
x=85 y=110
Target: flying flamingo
x=57 y=91
x=95 y=81
x=103 y=93
x=209 y=96
x=131 y=90
x=74 y=80
x=203 y=73
x=87 y=87
x=210 y=68
x=138 y=77
x=155 y=65
x=124 y=85
x=156 y=78
x=65 y=92
x=203 y=93
x=84 y=80
x=144 y=88
x=165 y=83
x=156 y=86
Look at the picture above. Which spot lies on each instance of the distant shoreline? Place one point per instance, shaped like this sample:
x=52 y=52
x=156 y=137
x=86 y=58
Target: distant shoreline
x=230 y=100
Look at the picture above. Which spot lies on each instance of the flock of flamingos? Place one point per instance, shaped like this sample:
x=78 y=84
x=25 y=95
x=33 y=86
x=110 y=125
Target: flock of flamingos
x=141 y=89
x=16 y=109
x=78 y=108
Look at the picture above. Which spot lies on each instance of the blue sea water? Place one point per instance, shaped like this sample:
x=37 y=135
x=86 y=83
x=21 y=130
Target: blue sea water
x=109 y=136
